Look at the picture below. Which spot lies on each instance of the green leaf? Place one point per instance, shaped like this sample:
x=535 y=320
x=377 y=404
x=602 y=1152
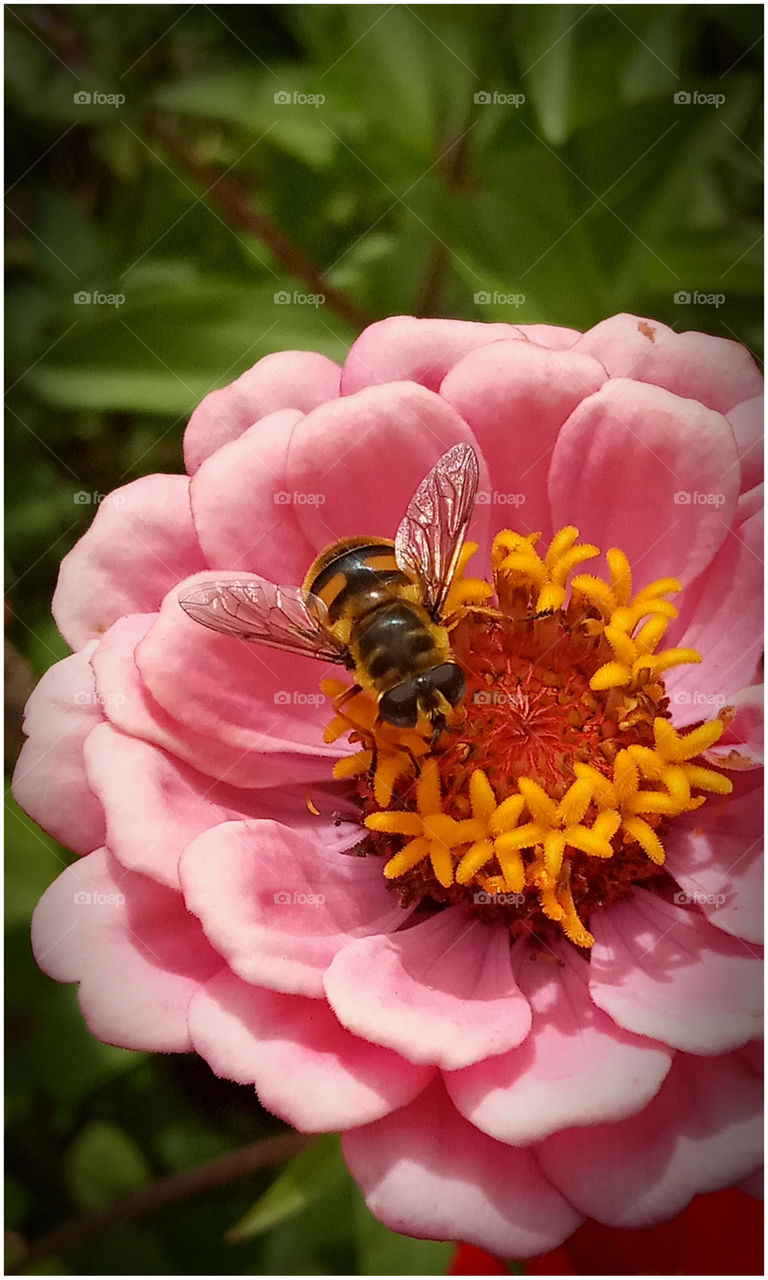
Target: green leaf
x=546 y=48
x=52 y=1056
x=102 y=1164
x=32 y=861
x=309 y=1176
x=248 y=99
x=164 y=349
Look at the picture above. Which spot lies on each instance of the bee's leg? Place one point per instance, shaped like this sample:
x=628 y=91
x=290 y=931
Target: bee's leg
x=349 y=693
x=463 y=610
x=438 y=724
x=372 y=746
x=413 y=759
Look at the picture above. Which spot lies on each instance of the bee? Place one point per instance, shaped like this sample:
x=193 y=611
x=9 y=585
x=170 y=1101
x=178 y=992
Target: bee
x=375 y=606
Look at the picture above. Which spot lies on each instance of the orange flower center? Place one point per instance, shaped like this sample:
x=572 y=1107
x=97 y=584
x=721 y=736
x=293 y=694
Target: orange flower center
x=552 y=792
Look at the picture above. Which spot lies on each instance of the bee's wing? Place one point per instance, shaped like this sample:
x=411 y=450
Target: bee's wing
x=431 y=535
x=255 y=609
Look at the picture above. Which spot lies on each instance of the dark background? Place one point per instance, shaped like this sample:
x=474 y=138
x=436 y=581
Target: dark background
x=182 y=211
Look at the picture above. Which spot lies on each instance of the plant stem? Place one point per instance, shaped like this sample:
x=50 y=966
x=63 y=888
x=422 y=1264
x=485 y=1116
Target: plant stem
x=167 y=1190
x=455 y=172
x=239 y=211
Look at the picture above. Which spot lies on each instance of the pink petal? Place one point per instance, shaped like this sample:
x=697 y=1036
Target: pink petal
x=156 y=805
x=441 y=992
x=630 y=441
x=357 y=461
x=715 y=371
x=49 y=781
x=285 y=380
x=306 y=1068
x=662 y=971
x=141 y=542
x=746 y=421
x=575 y=1067
x=549 y=335
x=130 y=707
x=279 y=906
x=403 y=348
x=238 y=503
x=247 y=696
x=741 y=746
x=721 y=617
x=754 y=1184
x=427 y=1172
x=716 y=857
x=750 y=502
x=516 y=396
x=701 y=1132
x=137 y=953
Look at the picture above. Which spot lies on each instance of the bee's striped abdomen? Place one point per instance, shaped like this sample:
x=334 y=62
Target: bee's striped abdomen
x=354 y=570
x=374 y=608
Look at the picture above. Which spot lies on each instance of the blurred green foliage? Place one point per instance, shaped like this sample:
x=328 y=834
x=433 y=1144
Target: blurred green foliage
x=191 y=203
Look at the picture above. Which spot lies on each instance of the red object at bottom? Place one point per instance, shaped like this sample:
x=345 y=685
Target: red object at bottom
x=717 y=1235
x=468 y=1260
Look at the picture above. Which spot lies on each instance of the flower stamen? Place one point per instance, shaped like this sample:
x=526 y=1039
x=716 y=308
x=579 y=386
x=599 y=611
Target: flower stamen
x=555 y=792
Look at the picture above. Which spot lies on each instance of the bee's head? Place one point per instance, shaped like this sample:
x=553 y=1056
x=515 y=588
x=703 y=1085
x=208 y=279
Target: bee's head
x=430 y=695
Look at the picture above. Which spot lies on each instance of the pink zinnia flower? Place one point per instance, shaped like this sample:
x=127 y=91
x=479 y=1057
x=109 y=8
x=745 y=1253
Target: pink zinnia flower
x=553 y=1016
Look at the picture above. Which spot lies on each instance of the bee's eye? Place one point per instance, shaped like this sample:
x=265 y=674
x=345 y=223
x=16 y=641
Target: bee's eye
x=399 y=705
x=449 y=680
